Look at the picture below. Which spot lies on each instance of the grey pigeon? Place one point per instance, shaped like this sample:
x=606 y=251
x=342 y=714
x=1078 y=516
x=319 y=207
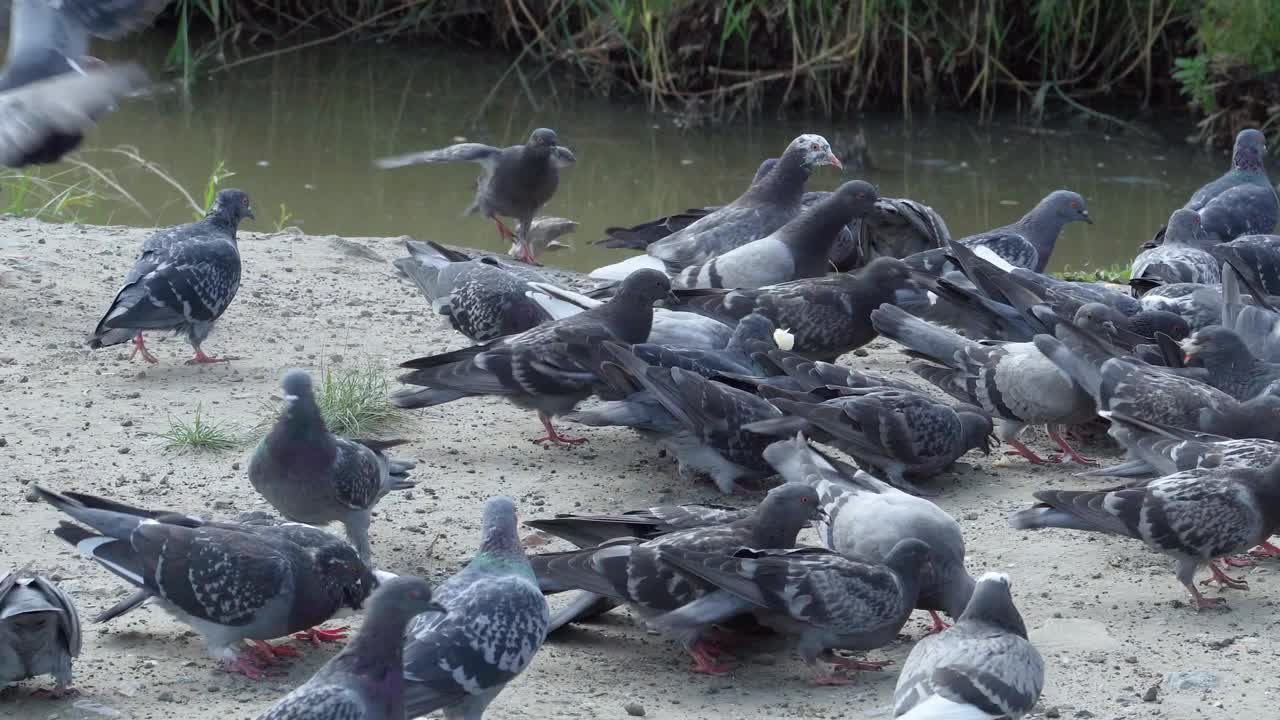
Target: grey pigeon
x=1195 y=516
x=183 y=282
x=1242 y=201
x=544 y=235
x=800 y=374
x=496 y=621
x=984 y=668
x=364 y=680
x=227 y=583
x=632 y=572
x=484 y=298
x=698 y=420
x=548 y=368
x=829 y=316
x=799 y=249
x=515 y=181
x=670 y=327
x=590 y=530
x=1027 y=243
x=766 y=206
x=51 y=90
x=745 y=353
x=1260 y=256
x=1161 y=450
x=892 y=433
x=1232 y=367
x=827 y=600
x=39 y=630
x=1013 y=382
x=1183 y=257
x=866 y=518
x=315 y=477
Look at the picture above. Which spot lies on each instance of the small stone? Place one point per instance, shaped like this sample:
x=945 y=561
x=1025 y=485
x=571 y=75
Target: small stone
x=1053 y=712
x=1152 y=693
x=126 y=423
x=634 y=709
x=1083 y=714
x=3 y=442
x=860 y=352
x=164 y=696
x=123 y=449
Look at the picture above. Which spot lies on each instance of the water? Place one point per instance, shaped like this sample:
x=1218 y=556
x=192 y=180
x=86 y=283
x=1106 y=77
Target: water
x=301 y=130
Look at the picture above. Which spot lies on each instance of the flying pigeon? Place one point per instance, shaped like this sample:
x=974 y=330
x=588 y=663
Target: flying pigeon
x=984 y=668
x=514 y=182
x=312 y=476
x=496 y=620
x=184 y=281
x=39 y=630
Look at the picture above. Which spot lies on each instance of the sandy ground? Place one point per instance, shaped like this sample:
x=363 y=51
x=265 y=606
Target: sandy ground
x=1108 y=615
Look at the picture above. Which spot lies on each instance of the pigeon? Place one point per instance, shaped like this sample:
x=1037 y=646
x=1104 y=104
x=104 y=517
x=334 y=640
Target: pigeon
x=745 y=353
x=800 y=374
x=39 y=630
x=1183 y=257
x=892 y=433
x=587 y=531
x=1232 y=368
x=1027 y=243
x=866 y=518
x=1258 y=253
x=184 y=281
x=1194 y=516
x=900 y=227
x=639 y=237
x=829 y=316
x=1013 y=382
x=514 y=182
x=51 y=91
x=766 y=206
x=631 y=571
x=1157 y=450
x=799 y=249
x=699 y=421
x=315 y=477
x=1242 y=201
x=825 y=598
x=365 y=680
x=227 y=584
x=547 y=368
x=544 y=236
x=984 y=668
x=496 y=620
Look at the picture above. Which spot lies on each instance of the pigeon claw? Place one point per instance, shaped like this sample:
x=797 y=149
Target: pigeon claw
x=938 y=623
x=246 y=665
x=554 y=437
x=706 y=659
x=318 y=635
x=1224 y=580
x=1265 y=550
x=201 y=359
x=269 y=652
x=141 y=347
x=1024 y=451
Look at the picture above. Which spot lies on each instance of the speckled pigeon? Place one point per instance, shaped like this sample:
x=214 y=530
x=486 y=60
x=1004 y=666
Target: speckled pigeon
x=227 y=584
x=183 y=282
x=829 y=316
x=1013 y=382
x=866 y=518
x=365 y=680
x=827 y=600
x=515 y=181
x=1027 y=243
x=312 y=476
x=548 y=368
x=699 y=421
x=984 y=668
x=484 y=298
x=1232 y=368
x=51 y=90
x=39 y=630
x=1242 y=201
x=1183 y=257
x=631 y=571
x=1156 y=450
x=496 y=621
x=896 y=434
x=1194 y=516
x=766 y=206
x=798 y=249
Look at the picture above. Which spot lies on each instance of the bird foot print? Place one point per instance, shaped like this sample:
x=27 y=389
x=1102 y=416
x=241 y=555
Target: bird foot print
x=202 y=359
x=318 y=635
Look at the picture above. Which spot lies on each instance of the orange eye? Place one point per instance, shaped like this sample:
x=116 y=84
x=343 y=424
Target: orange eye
x=1075 y=204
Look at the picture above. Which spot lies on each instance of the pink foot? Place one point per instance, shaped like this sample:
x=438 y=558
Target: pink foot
x=269 y=652
x=319 y=635
x=201 y=359
x=938 y=623
x=1068 y=453
x=140 y=347
x=1024 y=451
x=1223 y=579
x=1265 y=550
x=554 y=437
x=1238 y=561
x=706 y=659
x=245 y=664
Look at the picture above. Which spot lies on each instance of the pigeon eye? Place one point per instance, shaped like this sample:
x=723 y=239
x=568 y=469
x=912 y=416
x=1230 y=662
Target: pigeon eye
x=1075 y=204
x=813 y=146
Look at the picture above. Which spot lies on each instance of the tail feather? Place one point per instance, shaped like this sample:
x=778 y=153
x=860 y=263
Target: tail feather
x=1076 y=363
x=584 y=606
x=125 y=606
x=936 y=343
x=1043 y=516
x=425 y=397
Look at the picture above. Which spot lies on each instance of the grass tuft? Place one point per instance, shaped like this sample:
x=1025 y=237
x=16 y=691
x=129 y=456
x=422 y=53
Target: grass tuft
x=353 y=402
x=200 y=434
x=1117 y=273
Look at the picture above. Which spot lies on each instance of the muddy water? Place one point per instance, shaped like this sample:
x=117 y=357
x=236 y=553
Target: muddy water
x=300 y=132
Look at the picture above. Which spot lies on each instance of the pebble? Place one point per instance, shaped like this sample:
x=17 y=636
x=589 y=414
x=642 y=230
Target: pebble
x=634 y=709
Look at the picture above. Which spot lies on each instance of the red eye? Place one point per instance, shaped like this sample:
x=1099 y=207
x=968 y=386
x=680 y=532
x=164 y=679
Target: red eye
x=1075 y=204
x=804 y=500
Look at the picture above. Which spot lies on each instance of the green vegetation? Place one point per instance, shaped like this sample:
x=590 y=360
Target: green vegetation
x=200 y=434
x=1118 y=273
x=353 y=401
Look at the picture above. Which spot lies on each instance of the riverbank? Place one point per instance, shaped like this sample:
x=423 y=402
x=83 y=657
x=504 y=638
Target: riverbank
x=1107 y=615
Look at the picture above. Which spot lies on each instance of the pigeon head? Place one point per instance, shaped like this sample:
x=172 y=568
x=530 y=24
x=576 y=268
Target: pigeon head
x=401 y=598
x=1149 y=322
x=1215 y=346
x=231 y=206
x=909 y=557
x=992 y=602
x=344 y=576
x=1184 y=227
x=1251 y=147
x=643 y=288
x=858 y=197
x=499 y=534
x=976 y=428
x=1063 y=206
x=543 y=137
x=784 y=512
x=812 y=151
x=296 y=383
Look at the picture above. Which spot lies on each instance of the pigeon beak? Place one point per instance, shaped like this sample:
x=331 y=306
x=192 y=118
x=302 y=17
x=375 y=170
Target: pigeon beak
x=248 y=212
x=672 y=299
x=833 y=160
x=1084 y=214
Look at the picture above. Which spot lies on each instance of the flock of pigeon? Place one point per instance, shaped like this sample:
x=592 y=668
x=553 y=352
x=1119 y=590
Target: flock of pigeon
x=717 y=344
